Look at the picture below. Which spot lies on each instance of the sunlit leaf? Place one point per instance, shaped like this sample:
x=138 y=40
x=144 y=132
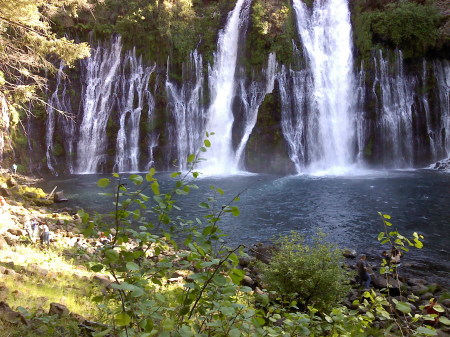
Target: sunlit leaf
x=104 y=182
x=123 y=319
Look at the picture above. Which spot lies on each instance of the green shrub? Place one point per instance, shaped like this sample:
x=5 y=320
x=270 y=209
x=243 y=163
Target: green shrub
x=310 y=274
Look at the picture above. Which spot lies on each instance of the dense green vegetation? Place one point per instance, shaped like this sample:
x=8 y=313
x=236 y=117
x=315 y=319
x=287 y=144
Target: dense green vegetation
x=310 y=274
x=410 y=26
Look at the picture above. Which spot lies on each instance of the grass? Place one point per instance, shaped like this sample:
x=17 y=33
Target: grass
x=66 y=283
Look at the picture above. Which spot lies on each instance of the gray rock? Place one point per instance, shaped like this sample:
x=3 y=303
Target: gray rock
x=59 y=197
x=416 y=281
x=103 y=279
x=380 y=282
x=419 y=290
x=446 y=302
x=426 y=296
x=11 y=316
x=58 y=309
x=247 y=281
x=244 y=261
x=34 y=269
x=349 y=253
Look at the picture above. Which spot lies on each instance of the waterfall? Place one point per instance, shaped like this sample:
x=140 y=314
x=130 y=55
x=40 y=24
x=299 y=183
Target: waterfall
x=252 y=100
x=220 y=157
x=297 y=101
x=395 y=95
x=131 y=86
x=59 y=111
x=186 y=106
x=325 y=31
x=442 y=133
x=97 y=102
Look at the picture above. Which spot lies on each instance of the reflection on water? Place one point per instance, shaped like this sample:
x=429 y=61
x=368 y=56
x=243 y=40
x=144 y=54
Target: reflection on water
x=344 y=207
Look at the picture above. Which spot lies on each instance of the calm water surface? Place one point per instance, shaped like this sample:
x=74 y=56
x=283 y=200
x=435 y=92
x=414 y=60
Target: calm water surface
x=344 y=207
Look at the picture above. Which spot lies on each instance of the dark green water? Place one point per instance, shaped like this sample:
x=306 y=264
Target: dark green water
x=344 y=207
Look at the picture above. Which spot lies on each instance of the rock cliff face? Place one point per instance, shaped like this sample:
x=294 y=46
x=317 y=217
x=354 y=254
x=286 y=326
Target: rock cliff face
x=145 y=99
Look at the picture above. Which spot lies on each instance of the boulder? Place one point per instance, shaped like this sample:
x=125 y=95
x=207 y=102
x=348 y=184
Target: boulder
x=446 y=302
x=416 y=281
x=247 y=281
x=419 y=290
x=16 y=231
x=34 y=269
x=349 y=253
x=58 y=309
x=11 y=316
x=426 y=296
x=263 y=252
x=103 y=279
x=380 y=282
x=244 y=261
x=59 y=197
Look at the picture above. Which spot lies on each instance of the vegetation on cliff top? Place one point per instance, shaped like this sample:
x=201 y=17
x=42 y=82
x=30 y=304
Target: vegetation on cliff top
x=415 y=28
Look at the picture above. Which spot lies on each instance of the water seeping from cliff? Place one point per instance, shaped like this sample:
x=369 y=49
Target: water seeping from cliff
x=133 y=84
x=185 y=105
x=220 y=158
x=320 y=132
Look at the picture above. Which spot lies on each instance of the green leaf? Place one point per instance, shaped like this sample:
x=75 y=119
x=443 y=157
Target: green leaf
x=403 y=307
x=137 y=292
x=102 y=333
x=191 y=158
x=132 y=266
x=207 y=143
x=444 y=320
x=234 y=333
x=236 y=275
x=123 y=319
x=387 y=223
x=104 y=182
x=116 y=175
x=204 y=205
x=386 y=216
x=136 y=179
x=155 y=188
x=425 y=331
x=380 y=236
x=97 y=268
x=235 y=211
x=111 y=255
x=175 y=174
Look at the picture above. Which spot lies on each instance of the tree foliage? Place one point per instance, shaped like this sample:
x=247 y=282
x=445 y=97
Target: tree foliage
x=412 y=27
x=27 y=45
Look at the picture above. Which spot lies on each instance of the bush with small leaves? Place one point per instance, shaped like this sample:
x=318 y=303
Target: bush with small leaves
x=309 y=274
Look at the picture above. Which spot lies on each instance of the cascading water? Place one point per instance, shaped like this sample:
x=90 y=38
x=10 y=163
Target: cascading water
x=442 y=133
x=220 y=157
x=396 y=98
x=324 y=139
x=132 y=84
x=101 y=72
x=59 y=110
x=252 y=100
x=187 y=109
